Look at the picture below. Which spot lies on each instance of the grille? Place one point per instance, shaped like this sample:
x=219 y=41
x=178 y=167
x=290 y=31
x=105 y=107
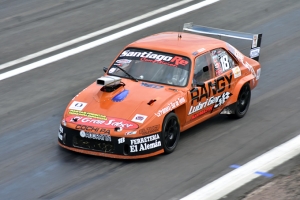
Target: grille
x=91 y=144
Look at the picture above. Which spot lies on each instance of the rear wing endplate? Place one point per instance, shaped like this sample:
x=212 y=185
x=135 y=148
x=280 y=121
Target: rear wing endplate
x=255 y=38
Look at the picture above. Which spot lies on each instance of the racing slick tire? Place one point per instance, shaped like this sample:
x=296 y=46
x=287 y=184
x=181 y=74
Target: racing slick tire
x=170 y=133
x=242 y=103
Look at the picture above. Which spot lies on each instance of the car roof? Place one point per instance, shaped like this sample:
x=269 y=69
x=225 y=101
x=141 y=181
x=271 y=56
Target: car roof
x=170 y=42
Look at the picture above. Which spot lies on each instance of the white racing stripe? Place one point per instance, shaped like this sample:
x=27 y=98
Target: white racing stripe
x=105 y=40
x=244 y=174
x=91 y=35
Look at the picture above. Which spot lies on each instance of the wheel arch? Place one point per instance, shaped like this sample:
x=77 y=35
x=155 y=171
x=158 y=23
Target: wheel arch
x=239 y=85
x=172 y=135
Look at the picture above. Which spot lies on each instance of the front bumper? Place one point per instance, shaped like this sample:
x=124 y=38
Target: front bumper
x=109 y=146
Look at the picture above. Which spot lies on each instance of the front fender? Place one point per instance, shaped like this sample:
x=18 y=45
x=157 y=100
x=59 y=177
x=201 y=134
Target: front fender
x=171 y=104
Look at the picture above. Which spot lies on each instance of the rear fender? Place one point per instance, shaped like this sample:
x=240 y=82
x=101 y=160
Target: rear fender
x=239 y=85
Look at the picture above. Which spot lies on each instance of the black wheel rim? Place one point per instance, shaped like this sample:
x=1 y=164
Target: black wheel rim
x=244 y=98
x=171 y=133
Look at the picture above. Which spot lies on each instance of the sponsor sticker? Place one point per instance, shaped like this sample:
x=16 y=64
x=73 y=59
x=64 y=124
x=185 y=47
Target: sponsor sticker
x=87 y=114
x=240 y=57
x=150 y=85
x=139 y=118
x=198 y=51
x=59 y=135
x=145 y=143
x=149 y=130
x=121 y=140
x=110 y=123
x=61 y=130
x=92 y=128
x=95 y=136
x=215 y=101
x=171 y=106
x=130 y=133
x=254 y=52
x=63 y=121
x=146 y=54
x=77 y=105
x=123 y=61
x=202 y=112
x=156 y=57
x=82 y=133
x=112 y=70
x=254 y=40
x=258 y=73
x=211 y=88
x=177 y=60
x=236 y=72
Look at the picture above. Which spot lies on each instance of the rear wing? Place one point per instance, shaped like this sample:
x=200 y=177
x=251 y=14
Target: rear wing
x=255 y=38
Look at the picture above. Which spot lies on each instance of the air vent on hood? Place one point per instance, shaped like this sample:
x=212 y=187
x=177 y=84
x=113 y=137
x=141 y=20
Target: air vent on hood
x=151 y=102
x=108 y=80
x=109 y=83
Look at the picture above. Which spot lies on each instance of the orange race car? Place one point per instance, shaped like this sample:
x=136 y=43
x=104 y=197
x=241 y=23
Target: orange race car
x=158 y=87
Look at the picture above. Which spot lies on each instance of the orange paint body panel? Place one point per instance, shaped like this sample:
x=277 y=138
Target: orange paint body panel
x=169 y=85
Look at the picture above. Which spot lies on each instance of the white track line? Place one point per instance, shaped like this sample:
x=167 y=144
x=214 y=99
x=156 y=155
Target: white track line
x=105 y=39
x=244 y=174
x=91 y=35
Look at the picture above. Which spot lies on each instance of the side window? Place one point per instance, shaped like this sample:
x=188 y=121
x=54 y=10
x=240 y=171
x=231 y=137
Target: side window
x=222 y=61
x=203 y=69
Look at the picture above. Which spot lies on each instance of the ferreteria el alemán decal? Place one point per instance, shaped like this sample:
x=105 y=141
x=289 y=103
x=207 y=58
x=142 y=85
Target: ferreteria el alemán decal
x=145 y=143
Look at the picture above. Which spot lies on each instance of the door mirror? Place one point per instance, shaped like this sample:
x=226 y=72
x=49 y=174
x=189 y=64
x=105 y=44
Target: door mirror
x=105 y=69
x=201 y=84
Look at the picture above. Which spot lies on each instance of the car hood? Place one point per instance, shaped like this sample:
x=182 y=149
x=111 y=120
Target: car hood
x=131 y=106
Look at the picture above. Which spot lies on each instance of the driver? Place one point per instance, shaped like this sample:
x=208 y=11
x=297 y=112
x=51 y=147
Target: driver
x=177 y=76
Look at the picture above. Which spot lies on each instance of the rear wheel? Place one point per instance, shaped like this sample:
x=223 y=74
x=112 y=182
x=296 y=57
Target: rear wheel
x=243 y=102
x=170 y=133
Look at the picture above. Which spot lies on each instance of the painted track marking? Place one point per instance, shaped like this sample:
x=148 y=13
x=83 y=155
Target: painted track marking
x=105 y=40
x=91 y=35
x=265 y=174
x=246 y=173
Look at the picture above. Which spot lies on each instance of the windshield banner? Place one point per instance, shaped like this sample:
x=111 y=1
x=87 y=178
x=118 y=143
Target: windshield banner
x=155 y=57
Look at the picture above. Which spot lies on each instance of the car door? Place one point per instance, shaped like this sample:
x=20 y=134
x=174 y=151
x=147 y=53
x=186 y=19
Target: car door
x=212 y=84
x=226 y=70
x=198 y=97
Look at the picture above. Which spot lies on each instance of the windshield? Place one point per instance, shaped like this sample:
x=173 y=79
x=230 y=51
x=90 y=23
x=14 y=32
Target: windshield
x=152 y=66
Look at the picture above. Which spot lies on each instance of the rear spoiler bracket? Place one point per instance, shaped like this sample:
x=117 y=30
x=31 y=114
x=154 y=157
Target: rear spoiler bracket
x=255 y=38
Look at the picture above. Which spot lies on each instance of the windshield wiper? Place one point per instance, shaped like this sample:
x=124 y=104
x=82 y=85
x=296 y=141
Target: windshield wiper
x=130 y=76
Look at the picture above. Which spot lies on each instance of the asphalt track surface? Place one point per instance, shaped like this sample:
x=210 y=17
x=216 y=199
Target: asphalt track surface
x=33 y=166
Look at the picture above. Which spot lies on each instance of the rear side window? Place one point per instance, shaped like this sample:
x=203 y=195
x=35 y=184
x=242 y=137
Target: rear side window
x=222 y=61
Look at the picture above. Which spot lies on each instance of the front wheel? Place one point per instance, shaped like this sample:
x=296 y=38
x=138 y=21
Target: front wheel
x=243 y=102
x=170 y=133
